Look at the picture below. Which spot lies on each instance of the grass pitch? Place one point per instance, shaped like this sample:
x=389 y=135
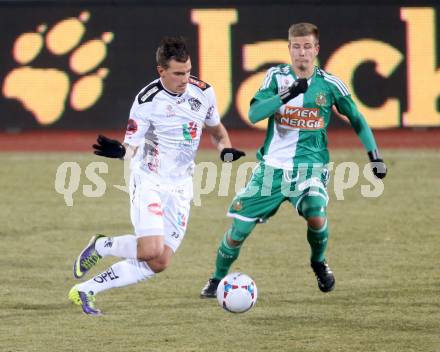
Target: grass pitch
x=384 y=252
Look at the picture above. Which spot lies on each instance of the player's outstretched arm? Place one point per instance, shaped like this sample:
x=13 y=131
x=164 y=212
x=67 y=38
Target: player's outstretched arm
x=261 y=109
x=346 y=106
x=220 y=139
x=377 y=164
x=111 y=148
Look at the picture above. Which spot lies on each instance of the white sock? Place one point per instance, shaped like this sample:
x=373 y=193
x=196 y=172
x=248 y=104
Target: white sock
x=123 y=273
x=120 y=246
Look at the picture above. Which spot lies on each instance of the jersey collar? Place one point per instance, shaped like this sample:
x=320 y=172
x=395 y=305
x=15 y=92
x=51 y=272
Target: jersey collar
x=161 y=86
x=309 y=79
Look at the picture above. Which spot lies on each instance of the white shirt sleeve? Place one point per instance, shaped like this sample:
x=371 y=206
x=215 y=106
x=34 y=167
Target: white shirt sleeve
x=138 y=123
x=212 y=116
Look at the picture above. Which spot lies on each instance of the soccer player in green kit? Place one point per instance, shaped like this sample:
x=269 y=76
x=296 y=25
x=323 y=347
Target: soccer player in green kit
x=297 y=99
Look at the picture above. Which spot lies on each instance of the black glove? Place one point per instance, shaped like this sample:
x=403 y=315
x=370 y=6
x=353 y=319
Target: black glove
x=378 y=166
x=298 y=87
x=109 y=148
x=231 y=154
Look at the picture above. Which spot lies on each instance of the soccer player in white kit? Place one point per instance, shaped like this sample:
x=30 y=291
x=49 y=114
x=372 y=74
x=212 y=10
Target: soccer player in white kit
x=162 y=137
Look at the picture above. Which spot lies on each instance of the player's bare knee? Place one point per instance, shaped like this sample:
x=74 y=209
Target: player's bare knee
x=238 y=232
x=159 y=264
x=233 y=243
x=148 y=250
x=316 y=222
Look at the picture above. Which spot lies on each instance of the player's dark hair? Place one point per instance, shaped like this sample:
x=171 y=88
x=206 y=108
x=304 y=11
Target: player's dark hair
x=304 y=29
x=171 y=48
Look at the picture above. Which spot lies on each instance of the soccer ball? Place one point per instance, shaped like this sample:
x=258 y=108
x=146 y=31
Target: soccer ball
x=237 y=293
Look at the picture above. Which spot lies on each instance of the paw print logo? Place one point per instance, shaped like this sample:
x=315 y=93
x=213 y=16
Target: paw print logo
x=45 y=91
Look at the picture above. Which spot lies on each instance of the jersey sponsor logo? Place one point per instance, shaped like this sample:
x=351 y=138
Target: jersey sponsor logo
x=108 y=242
x=321 y=99
x=155 y=208
x=210 y=112
x=196 y=82
x=132 y=127
x=105 y=276
x=188 y=144
x=285 y=84
x=148 y=93
x=224 y=255
x=152 y=155
x=181 y=219
x=153 y=165
x=180 y=100
x=236 y=205
x=170 y=111
x=189 y=130
x=302 y=118
x=195 y=104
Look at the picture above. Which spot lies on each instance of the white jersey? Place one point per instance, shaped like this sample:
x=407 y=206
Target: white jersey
x=166 y=127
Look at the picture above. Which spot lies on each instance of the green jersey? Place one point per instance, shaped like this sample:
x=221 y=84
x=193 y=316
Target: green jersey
x=297 y=130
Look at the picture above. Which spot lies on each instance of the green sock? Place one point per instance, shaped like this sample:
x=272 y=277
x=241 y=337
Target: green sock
x=226 y=255
x=318 y=242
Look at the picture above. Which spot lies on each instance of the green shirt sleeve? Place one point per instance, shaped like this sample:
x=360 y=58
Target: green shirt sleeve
x=266 y=101
x=347 y=107
x=261 y=109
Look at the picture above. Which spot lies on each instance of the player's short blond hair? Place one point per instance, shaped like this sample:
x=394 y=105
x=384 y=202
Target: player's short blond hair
x=304 y=29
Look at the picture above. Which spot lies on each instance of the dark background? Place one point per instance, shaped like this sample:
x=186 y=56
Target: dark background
x=139 y=26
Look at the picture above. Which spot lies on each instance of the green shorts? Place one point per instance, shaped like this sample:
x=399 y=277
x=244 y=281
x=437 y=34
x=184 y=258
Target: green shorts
x=304 y=186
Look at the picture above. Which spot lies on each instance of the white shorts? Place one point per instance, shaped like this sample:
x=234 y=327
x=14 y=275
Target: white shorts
x=160 y=209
